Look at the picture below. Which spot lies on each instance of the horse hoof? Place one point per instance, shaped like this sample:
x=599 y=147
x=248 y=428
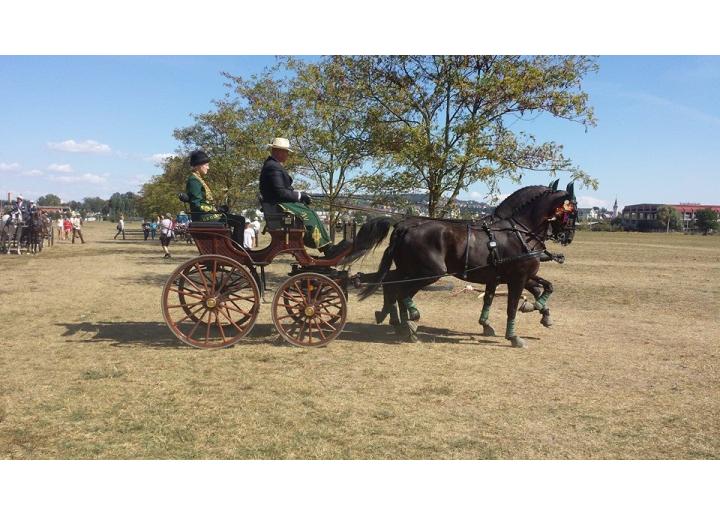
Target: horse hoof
x=412 y=332
x=488 y=331
x=527 y=307
x=517 y=342
x=546 y=321
x=380 y=317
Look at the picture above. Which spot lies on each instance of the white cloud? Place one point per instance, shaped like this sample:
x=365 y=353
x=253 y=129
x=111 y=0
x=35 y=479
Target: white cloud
x=138 y=180
x=62 y=168
x=589 y=201
x=32 y=173
x=89 y=178
x=159 y=158
x=9 y=166
x=87 y=146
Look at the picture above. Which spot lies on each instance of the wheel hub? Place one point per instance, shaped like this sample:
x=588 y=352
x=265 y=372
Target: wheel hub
x=211 y=303
x=309 y=311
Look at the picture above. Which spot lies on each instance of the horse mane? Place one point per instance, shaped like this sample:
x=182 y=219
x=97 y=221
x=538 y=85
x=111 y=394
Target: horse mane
x=519 y=199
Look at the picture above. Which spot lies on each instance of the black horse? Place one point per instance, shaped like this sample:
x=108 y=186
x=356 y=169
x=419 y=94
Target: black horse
x=504 y=248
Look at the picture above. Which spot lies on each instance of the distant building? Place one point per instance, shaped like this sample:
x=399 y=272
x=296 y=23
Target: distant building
x=687 y=212
x=643 y=216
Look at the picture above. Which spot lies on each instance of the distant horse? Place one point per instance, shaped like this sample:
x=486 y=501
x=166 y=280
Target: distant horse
x=505 y=248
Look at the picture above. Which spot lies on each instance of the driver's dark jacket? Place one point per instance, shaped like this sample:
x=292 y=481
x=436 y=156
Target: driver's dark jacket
x=276 y=183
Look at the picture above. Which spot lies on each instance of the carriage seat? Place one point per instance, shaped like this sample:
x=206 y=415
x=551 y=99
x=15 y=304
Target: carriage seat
x=275 y=216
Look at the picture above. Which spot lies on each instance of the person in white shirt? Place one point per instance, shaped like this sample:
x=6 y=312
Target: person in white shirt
x=120 y=227
x=76 y=221
x=248 y=236
x=60 y=232
x=166 y=234
x=256 y=227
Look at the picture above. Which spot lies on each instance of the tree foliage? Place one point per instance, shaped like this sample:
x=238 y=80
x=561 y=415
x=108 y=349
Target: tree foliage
x=123 y=203
x=49 y=200
x=668 y=217
x=442 y=123
x=706 y=220
x=159 y=194
x=390 y=124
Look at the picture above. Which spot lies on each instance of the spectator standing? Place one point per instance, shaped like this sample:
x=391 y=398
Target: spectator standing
x=77 y=227
x=120 y=227
x=67 y=226
x=166 y=234
x=146 y=229
x=256 y=227
x=60 y=228
x=153 y=229
x=249 y=236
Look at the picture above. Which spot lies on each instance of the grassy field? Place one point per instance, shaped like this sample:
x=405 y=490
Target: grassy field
x=630 y=370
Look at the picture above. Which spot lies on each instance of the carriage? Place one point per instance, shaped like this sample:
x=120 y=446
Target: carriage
x=29 y=236
x=213 y=300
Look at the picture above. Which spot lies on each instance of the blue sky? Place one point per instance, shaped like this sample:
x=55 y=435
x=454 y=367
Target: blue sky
x=90 y=126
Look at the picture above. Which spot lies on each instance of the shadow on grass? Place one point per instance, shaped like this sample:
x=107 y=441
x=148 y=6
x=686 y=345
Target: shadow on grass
x=372 y=333
x=157 y=335
x=146 y=333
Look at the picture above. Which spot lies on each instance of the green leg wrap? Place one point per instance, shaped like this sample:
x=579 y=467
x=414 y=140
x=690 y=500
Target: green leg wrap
x=485 y=314
x=543 y=299
x=409 y=304
x=412 y=309
x=510 y=330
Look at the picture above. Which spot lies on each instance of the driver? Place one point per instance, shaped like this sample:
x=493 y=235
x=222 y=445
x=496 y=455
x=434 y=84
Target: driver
x=276 y=188
x=201 y=198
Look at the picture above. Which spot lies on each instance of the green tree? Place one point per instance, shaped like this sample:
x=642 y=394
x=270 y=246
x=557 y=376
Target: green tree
x=93 y=204
x=668 y=218
x=329 y=130
x=122 y=203
x=317 y=107
x=49 y=200
x=235 y=141
x=442 y=123
x=159 y=194
x=706 y=220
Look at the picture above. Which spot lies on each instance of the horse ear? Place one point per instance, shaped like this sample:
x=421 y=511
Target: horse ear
x=553 y=185
x=571 y=190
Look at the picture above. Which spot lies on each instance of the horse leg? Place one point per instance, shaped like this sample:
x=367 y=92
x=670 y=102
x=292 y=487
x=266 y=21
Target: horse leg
x=542 y=300
x=485 y=314
x=407 y=327
x=541 y=290
x=532 y=285
x=515 y=288
x=389 y=307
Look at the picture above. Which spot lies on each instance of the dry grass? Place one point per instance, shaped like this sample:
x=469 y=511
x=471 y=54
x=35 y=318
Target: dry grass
x=629 y=371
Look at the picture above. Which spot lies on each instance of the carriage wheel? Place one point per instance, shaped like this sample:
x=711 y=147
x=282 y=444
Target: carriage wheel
x=309 y=310
x=210 y=301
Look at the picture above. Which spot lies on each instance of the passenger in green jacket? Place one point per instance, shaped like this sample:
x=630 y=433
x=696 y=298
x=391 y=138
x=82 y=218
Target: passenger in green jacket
x=202 y=203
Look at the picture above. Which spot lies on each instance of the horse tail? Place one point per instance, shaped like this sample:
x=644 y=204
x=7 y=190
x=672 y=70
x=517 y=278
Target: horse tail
x=384 y=267
x=371 y=234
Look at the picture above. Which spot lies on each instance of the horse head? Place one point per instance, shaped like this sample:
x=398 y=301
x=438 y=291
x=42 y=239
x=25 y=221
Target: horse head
x=549 y=212
x=562 y=215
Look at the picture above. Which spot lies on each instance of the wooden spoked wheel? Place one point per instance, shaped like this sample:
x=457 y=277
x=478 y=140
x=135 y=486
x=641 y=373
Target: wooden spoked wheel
x=309 y=310
x=210 y=301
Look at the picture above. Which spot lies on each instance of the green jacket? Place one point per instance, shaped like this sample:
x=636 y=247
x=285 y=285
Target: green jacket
x=198 y=203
